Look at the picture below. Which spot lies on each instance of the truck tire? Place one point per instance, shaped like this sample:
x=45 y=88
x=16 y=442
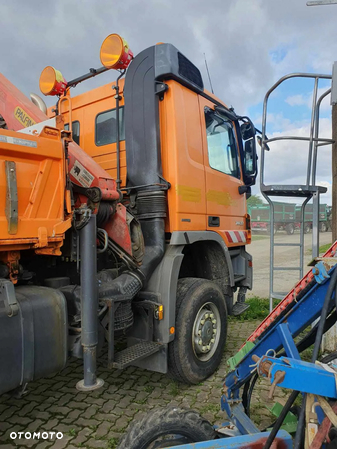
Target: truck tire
x=268 y=229
x=167 y=427
x=307 y=228
x=290 y=229
x=323 y=226
x=201 y=330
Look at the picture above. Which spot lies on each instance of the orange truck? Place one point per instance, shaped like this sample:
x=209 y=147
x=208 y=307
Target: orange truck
x=124 y=216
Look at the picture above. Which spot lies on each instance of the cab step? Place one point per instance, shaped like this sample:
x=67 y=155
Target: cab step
x=239 y=307
x=134 y=353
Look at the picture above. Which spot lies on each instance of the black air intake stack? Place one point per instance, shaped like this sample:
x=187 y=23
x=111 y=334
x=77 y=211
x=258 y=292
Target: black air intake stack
x=144 y=86
x=143 y=156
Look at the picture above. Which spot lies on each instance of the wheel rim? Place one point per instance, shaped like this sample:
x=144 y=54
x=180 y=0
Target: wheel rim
x=206 y=332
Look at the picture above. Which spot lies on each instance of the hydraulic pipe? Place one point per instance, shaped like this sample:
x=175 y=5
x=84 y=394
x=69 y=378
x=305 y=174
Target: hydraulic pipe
x=89 y=306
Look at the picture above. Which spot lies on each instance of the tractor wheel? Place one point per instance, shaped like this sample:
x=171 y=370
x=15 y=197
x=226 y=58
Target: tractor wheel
x=201 y=330
x=323 y=227
x=307 y=229
x=290 y=229
x=268 y=229
x=168 y=427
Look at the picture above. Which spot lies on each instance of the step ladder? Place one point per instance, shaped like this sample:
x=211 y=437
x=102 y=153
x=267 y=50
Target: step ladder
x=305 y=192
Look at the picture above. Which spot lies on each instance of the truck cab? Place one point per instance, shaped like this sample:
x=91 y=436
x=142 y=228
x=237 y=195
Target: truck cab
x=201 y=151
x=181 y=142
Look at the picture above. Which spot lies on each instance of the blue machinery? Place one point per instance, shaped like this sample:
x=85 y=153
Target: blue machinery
x=286 y=369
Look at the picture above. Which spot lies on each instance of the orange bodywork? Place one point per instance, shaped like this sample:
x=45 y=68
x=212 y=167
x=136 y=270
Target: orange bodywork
x=197 y=190
x=85 y=108
x=38 y=185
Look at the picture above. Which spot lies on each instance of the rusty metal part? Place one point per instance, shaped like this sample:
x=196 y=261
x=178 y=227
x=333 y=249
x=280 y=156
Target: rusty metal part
x=279 y=377
x=11 y=259
x=263 y=365
x=323 y=431
x=328 y=261
x=11 y=197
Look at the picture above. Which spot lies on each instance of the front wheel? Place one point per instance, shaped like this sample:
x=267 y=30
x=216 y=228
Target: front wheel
x=201 y=330
x=165 y=428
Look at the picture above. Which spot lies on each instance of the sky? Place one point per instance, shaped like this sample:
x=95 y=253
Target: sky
x=249 y=45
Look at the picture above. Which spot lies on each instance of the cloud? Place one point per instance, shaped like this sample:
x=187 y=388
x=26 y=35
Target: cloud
x=240 y=39
x=249 y=45
x=306 y=99
x=296 y=100
x=287 y=161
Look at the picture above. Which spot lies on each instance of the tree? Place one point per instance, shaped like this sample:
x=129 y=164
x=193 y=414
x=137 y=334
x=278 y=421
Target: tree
x=254 y=200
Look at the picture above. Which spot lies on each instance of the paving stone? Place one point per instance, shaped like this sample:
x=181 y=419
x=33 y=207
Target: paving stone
x=44 y=445
x=23 y=420
x=103 y=429
x=91 y=419
x=82 y=436
x=62 y=443
x=95 y=443
x=89 y=412
x=51 y=424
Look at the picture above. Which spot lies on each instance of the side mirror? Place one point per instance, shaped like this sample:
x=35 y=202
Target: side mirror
x=250 y=158
x=247 y=130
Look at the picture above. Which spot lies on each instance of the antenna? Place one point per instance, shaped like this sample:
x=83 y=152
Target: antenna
x=209 y=76
x=321 y=2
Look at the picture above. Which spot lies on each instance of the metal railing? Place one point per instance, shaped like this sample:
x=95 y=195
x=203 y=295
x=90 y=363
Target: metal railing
x=307 y=191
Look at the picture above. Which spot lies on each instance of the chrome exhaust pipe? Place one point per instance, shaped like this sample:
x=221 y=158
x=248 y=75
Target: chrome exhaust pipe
x=37 y=100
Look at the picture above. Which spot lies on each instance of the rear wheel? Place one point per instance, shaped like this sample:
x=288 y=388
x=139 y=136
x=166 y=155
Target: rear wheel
x=323 y=227
x=290 y=229
x=307 y=229
x=201 y=330
x=268 y=229
x=165 y=428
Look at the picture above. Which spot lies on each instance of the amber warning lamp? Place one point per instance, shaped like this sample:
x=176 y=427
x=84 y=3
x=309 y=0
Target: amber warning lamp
x=52 y=82
x=115 y=53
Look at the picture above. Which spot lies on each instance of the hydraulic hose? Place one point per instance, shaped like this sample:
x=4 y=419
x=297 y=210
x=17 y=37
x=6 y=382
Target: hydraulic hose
x=280 y=419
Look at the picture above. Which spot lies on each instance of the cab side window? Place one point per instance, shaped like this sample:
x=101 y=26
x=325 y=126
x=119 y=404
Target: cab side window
x=106 y=127
x=222 y=151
